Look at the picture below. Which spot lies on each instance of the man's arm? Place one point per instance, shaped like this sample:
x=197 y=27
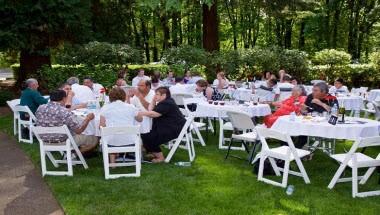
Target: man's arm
x=84 y=125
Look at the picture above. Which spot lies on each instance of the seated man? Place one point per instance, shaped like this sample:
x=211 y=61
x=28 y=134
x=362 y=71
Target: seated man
x=338 y=87
x=143 y=96
x=31 y=97
x=71 y=102
x=179 y=86
x=268 y=91
x=120 y=82
x=82 y=93
x=319 y=101
x=54 y=114
x=140 y=76
x=95 y=87
x=170 y=79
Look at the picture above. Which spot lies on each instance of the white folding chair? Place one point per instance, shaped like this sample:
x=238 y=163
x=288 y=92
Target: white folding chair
x=369 y=109
x=67 y=147
x=242 y=121
x=284 y=94
x=197 y=100
x=287 y=153
x=356 y=160
x=12 y=104
x=225 y=126
x=135 y=147
x=26 y=121
x=178 y=98
x=194 y=127
x=317 y=81
x=184 y=135
x=376 y=108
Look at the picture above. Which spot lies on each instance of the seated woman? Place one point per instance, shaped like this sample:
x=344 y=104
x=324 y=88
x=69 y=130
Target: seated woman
x=221 y=82
x=202 y=87
x=118 y=113
x=167 y=123
x=292 y=104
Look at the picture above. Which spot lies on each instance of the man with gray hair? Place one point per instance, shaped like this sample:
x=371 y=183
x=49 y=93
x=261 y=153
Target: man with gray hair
x=82 y=93
x=30 y=96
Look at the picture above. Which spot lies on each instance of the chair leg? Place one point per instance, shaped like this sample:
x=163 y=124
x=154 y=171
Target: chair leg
x=43 y=161
x=106 y=162
x=69 y=161
x=252 y=153
x=229 y=148
x=285 y=174
x=354 y=181
x=138 y=159
x=261 y=167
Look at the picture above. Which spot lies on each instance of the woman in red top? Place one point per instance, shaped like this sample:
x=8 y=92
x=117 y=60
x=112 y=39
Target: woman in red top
x=292 y=104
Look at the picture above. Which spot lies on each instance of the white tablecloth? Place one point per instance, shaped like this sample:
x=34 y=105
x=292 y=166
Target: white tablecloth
x=373 y=94
x=326 y=130
x=242 y=94
x=210 y=110
x=351 y=102
x=93 y=125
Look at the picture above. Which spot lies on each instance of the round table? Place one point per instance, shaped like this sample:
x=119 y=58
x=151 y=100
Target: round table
x=205 y=109
x=373 y=94
x=319 y=127
x=351 y=102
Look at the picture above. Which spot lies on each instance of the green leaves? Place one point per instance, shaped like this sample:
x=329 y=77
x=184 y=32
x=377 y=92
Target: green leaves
x=332 y=57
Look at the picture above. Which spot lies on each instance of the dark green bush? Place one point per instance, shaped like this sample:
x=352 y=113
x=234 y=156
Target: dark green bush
x=5 y=95
x=95 y=53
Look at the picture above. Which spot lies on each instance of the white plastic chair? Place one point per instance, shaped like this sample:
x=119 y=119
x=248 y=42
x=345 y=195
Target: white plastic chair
x=178 y=97
x=24 y=123
x=184 y=135
x=134 y=147
x=197 y=100
x=68 y=147
x=287 y=153
x=12 y=104
x=356 y=160
x=317 y=81
x=242 y=121
x=225 y=126
x=194 y=127
x=369 y=109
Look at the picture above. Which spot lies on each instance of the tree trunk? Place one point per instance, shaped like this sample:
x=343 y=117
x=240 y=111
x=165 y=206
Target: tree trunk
x=210 y=28
x=155 y=50
x=175 y=29
x=146 y=40
x=288 y=34
x=30 y=63
x=301 y=41
x=165 y=28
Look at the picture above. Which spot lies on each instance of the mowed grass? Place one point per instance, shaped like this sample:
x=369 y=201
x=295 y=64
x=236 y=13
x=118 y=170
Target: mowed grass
x=211 y=185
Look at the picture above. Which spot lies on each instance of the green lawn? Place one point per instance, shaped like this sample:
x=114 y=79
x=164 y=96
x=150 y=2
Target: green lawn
x=210 y=186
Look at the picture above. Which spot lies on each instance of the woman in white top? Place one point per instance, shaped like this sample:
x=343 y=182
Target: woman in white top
x=118 y=113
x=221 y=81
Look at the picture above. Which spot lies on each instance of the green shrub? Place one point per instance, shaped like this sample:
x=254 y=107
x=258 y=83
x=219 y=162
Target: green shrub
x=187 y=56
x=95 y=53
x=331 y=57
x=5 y=95
x=374 y=58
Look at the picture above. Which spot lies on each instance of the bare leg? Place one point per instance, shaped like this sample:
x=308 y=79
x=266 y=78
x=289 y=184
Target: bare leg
x=159 y=157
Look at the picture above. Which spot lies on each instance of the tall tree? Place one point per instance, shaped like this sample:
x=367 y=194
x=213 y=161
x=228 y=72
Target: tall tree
x=210 y=26
x=33 y=27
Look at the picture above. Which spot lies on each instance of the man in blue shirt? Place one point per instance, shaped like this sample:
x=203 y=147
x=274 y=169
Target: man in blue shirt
x=31 y=97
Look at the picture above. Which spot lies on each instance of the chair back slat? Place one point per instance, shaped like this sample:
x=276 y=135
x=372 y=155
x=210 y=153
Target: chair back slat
x=38 y=130
x=178 y=97
x=13 y=103
x=120 y=130
x=369 y=142
x=271 y=134
x=240 y=120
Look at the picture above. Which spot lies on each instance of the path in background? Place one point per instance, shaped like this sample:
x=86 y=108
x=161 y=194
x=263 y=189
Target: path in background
x=22 y=189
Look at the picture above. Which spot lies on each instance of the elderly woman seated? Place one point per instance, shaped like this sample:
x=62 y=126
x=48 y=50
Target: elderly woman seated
x=167 y=123
x=292 y=104
x=118 y=113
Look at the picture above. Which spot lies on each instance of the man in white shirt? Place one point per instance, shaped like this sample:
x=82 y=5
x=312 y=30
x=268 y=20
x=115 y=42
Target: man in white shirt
x=83 y=94
x=95 y=87
x=179 y=87
x=338 y=87
x=268 y=91
x=170 y=79
x=140 y=76
x=143 y=96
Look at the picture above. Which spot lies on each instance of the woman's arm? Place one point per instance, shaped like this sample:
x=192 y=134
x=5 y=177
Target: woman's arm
x=209 y=93
x=102 y=122
x=151 y=114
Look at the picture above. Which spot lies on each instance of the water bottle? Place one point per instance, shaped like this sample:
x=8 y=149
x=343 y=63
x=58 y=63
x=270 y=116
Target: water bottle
x=182 y=163
x=334 y=110
x=290 y=190
x=292 y=116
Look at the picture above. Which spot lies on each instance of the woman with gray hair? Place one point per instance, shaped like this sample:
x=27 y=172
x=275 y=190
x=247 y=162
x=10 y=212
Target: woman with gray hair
x=293 y=104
